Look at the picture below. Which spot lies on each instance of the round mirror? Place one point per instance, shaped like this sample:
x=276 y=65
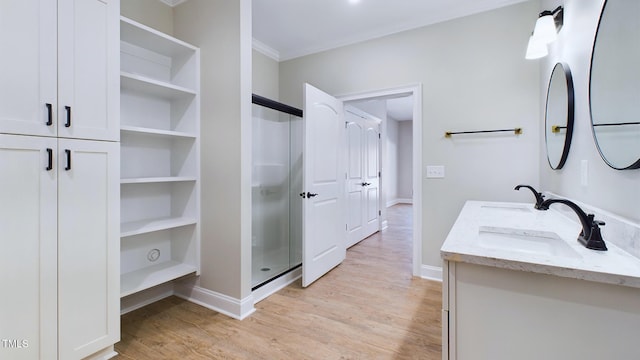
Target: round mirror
x=558 y=118
x=614 y=88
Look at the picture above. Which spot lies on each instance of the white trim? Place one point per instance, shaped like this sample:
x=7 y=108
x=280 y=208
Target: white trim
x=384 y=225
x=416 y=91
x=276 y=285
x=399 y=201
x=173 y=3
x=265 y=49
x=143 y=298
x=431 y=273
x=104 y=354
x=227 y=305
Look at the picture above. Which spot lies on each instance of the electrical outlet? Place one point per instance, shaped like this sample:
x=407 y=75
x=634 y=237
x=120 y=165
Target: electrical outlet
x=435 y=171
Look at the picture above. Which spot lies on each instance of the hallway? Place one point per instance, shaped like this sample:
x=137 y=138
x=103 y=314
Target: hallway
x=369 y=307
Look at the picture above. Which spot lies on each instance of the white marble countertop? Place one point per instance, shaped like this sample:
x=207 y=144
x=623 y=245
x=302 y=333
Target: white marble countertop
x=463 y=244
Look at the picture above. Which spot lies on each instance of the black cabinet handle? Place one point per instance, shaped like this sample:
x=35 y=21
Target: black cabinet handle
x=49 y=114
x=50 y=163
x=310 y=195
x=68 y=123
x=68 y=152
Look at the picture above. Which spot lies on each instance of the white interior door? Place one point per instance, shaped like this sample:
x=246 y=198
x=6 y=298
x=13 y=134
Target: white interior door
x=363 y=184
x=323 y=240
x=355 y=179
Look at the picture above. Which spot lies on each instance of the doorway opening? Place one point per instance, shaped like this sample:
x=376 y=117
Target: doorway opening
x=400 y=180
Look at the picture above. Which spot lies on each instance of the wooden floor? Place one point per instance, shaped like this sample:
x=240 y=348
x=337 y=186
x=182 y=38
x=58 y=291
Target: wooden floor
x=369 y=307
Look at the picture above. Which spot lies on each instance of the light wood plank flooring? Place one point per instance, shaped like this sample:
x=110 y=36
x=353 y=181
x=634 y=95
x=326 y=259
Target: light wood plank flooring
x=369 y=307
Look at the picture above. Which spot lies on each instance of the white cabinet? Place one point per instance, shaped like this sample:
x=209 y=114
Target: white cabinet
x=59 y=226
x=59 y=231
x=59 y=65
x=88 y=248
x=160 y=166
x=28 y=236
x=502 y=314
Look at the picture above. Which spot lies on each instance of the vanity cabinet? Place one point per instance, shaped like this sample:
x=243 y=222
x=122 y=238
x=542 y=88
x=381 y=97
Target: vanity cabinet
x=59 y=179
x=501 y=314
x=517 y=284
x=160 y=163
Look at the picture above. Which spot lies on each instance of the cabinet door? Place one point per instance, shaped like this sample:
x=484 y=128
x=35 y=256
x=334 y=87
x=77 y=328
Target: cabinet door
x=88 y=246
x=28 y=237
x=89 y=69
x=28 y=67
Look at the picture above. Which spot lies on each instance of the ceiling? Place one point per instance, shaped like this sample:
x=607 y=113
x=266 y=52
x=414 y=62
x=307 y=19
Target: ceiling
x=286 y=29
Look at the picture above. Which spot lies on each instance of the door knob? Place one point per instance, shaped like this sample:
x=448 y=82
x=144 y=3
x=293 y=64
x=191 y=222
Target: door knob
x=365 y=184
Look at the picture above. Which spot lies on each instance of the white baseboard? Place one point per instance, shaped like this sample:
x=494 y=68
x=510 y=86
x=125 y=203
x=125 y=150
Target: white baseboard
x=227 y=305
x=384 y=225
x=104 y=354
x=276 y=285
x=397 y=201
x=144 y=298
x=431 y=272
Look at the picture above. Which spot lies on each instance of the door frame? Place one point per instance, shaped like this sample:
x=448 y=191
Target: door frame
x=416 y=91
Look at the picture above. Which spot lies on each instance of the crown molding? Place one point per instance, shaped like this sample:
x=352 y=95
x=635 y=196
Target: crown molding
x=172 y=3
x=266 y=50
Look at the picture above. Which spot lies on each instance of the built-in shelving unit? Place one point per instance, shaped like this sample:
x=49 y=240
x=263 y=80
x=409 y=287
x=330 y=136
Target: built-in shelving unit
x=160 y=158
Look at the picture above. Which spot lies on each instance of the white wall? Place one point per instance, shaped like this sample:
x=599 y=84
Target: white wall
x=405 y=159
x=608 y=189
x=265 y=75
x=474 y=76
x=222 y=30
x=152 y=13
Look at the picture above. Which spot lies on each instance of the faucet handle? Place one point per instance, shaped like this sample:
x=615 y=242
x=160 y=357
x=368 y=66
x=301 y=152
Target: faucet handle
x=594 y=221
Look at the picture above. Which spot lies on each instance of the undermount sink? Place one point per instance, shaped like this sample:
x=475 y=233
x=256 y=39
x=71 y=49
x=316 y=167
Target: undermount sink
x=506 y=208
x=537 y=242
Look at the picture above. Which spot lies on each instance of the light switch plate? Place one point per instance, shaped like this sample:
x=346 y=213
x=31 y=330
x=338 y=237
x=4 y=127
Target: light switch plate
x=435 y=171
x=584 y=173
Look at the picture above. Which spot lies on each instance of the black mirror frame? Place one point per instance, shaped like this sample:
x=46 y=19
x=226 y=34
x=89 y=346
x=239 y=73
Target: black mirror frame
x=570 y=114
x=635 y=165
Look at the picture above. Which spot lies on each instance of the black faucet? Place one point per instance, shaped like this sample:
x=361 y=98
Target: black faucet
x=590 y=236
x=539 y=196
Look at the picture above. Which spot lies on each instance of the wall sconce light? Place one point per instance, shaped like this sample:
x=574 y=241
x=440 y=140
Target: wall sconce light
x=546 y=31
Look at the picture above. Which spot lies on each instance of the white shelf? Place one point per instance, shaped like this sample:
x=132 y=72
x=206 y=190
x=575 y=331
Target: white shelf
x=154 y=275
x=146 y=85
x=149 y=131
x=141 y=35
x=147 y=226
x=160 y=157
x=166 y=179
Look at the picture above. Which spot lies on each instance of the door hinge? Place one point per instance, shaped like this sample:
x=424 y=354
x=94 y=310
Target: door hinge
x=379 y=137
x=346 y=124
x=379 y=212
x=379 y=173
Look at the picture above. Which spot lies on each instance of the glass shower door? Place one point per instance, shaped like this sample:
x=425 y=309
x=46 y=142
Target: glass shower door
x=272 y=250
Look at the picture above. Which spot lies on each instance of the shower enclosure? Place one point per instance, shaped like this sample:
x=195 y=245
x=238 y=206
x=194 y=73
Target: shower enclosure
x=276 y=182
